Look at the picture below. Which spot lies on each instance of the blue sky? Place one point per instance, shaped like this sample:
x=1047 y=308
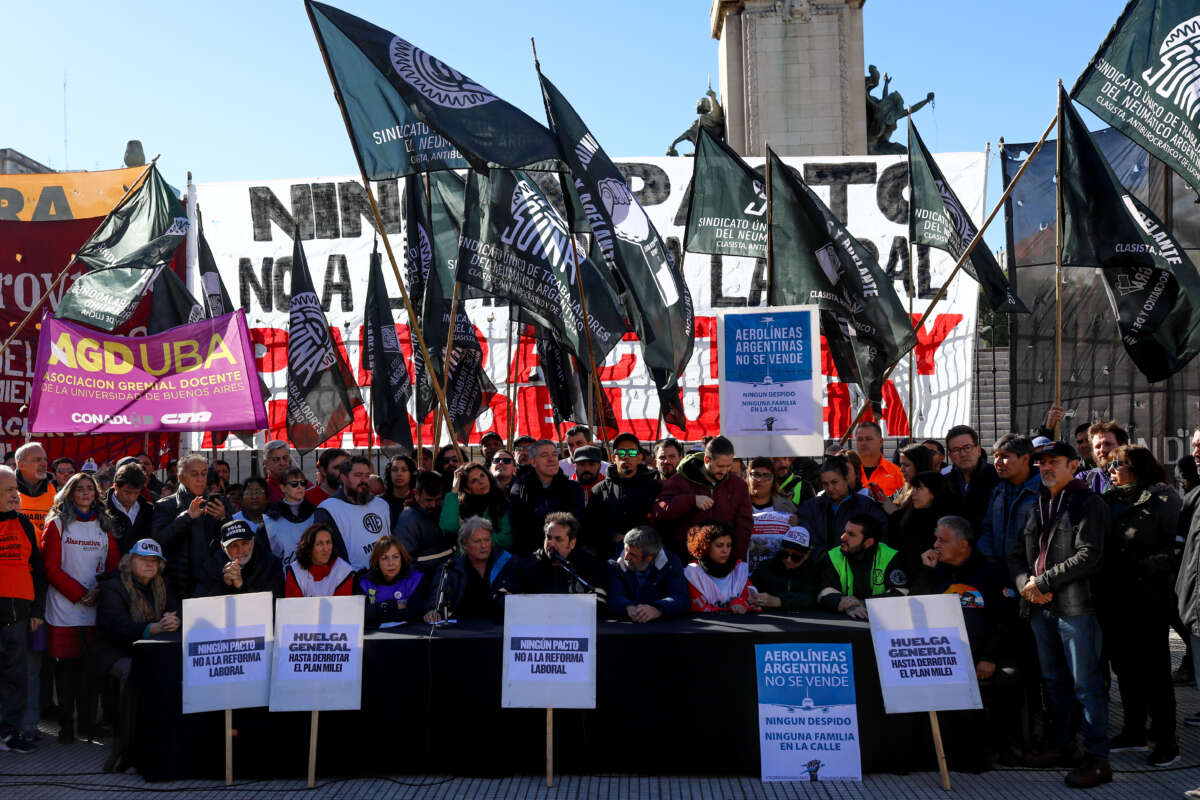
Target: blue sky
x=237 y=91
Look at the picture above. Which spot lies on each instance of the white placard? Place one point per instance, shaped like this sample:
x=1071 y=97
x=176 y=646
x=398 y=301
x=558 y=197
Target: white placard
x=227 y=646
x=549 y=651
x=923 y=654
x=318 y=663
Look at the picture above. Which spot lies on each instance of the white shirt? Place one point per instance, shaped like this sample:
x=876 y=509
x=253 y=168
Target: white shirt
x=131 y=513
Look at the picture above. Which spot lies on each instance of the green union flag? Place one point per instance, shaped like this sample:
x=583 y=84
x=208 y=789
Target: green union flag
x=389 y=84
x=1145 y=81
x=727 y=212
x=1153 y=286
x=815 y=260
x=937 y=218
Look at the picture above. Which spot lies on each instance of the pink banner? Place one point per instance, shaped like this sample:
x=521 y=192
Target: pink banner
x=195 y=377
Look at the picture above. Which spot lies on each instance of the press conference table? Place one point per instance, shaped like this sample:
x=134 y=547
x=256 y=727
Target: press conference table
x=672 y=697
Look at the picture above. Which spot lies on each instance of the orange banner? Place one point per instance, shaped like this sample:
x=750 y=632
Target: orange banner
x=49 y=196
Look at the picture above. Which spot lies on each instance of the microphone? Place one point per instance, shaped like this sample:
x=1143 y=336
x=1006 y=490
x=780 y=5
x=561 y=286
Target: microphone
x=440 y=605
x=570 y=568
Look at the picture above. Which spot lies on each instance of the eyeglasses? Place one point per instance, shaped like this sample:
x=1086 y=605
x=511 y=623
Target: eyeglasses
x=294 y=484
x=252 y=492
x=1116 y=465
x=626 y=453
x=791 y=555
x=762 y=476
x=958 y=451
x=502 y=461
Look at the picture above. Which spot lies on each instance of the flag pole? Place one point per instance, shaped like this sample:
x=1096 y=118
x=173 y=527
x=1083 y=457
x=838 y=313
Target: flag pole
x=1058 y=254
x=962 y=259
x=510 y=419
x=437 y=423
x=912 y=285
x=34 y=308
x=770 y=259
x=587 y=330
x=387 y=245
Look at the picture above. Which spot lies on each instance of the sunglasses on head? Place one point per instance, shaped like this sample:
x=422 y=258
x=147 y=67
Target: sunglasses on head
x=502 y=460
x=626 y=453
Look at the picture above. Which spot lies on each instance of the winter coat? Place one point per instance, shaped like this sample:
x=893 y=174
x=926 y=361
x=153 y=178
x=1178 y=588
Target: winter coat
x=529 y=502
x=825 y=527
x=675 y=512
x=1005 y=518
x=116 y=630
x=618 y=505
x=187 y=543
x=501 y=576
x=125 y=532
x=795 y=588
x=1138 y=573
x=262 y=573
x=663 y=586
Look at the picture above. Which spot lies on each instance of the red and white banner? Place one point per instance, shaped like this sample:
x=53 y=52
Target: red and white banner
x=248 y=225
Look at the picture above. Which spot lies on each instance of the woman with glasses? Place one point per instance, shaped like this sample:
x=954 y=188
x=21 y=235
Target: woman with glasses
x=477 y=495
x=1135 y=595
x=254 y=501
x=398 y=488
x=773 y=513
x=287 y=518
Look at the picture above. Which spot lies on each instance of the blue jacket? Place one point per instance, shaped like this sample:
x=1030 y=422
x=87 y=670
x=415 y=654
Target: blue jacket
x=825 y=527
x=1005 y=517
x=664 y=586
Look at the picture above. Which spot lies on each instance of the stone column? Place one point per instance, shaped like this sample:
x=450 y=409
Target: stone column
x=791 y=74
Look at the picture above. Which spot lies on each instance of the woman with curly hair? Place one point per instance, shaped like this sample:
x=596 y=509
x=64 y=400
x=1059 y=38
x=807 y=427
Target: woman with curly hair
x=317 y=570
x=398 y=485
x=74 y=563
x=716 y=580
x=477 y=495
x=394 y=590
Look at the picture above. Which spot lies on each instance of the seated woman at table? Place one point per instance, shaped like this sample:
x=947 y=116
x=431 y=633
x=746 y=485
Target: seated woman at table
x=477 y=495
x=474 y=583
x=133 y=603
x=394 y=590
x=716 y=580
x=317 y=572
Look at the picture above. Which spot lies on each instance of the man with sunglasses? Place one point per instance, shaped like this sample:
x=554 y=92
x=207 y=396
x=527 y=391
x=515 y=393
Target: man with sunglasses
x=789 y=580
x=622 y=501
x=504 y=469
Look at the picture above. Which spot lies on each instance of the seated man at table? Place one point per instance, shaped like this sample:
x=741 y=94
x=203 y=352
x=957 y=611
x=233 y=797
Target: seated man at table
x=560 y=566
x=990 y=612
x=862 y=567
x=790 y=579
x=239 y=566
x=474 y=584
x=646 y=581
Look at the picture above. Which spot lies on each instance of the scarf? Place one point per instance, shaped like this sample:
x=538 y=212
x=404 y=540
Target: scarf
x=139 y=607
x=715 y=569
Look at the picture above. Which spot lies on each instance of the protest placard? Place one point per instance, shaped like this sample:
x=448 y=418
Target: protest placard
x=923 y=655
x=807 y=713
x=318 y=664
x=227 y=647
x=549 y=651
x=769 y=363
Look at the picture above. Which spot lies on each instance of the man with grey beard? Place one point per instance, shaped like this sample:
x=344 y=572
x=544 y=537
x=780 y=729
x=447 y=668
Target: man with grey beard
x=646 y=581
x=358 y=518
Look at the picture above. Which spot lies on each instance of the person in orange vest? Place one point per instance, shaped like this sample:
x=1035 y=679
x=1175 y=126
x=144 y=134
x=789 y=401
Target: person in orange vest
x=878 y=476
x=33 y=482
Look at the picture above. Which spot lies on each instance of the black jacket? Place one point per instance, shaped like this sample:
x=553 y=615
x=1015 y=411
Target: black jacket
x=115 y=629
x=977 y=497
x=1138 y=573
x=262 y=573
x=989 y=604
x=796 y=588
x=616 y=506
x=826 y=527
x=529 y=502
x=187 y=543
x=129 y=533
x=423 y=538
x=461 y=579
x=543 y=575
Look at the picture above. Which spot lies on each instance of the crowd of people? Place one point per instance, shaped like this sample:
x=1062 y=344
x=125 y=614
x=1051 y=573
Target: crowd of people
x=1070 y=559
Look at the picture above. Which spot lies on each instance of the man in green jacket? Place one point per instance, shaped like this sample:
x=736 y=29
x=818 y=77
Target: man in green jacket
x=790 y=579
x=862 y=567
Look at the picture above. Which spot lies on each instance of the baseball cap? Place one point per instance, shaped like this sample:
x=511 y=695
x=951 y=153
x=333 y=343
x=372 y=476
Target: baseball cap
x=88 y=466
x=1059 y=448
x=521 y=441
x=491 y=435
x=588 y=453
x=1038 y=441
x=797 y=538
x=128 y=460
x=235 y=530
x=147 y=547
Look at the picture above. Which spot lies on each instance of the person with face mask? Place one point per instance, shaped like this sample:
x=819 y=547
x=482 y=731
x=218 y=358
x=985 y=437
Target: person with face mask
x=703 y=491
x=354 y=514
x=645 y=582
x=240 y=566
x=622 y=501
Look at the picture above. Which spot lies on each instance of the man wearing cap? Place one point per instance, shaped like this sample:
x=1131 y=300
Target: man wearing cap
x=861 y=567
x=277 y=460
x=1012 y=498
x=131 y=513
x=241 y=567
x=490 y=442
x=622 y=501
x=188 y=526
x=646 y=581
x=1060 y=549
x=587 y=460
x=789 y=580
x=33 y=481
x=523 y=446
x=22 y=611
x=577 y=437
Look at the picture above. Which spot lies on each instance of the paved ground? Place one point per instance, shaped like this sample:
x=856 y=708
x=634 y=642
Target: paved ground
x=73 y=771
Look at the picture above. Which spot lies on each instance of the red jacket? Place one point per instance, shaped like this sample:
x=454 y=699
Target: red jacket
x=675 y=511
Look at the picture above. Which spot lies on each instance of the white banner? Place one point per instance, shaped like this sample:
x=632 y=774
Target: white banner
x=923 y=654
x=249 y=227
x=549 y=651
x=227 y=647
x=318 y=663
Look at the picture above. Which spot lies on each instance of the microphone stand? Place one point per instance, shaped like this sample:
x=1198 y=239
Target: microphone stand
x=566 y=565
x=442 y=612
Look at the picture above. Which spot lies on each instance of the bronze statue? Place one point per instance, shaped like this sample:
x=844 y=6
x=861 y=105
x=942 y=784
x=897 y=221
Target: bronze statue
x=711 y=117
x=883 y=113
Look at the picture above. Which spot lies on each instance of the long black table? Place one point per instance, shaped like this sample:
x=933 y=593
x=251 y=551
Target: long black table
x=672 y=697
